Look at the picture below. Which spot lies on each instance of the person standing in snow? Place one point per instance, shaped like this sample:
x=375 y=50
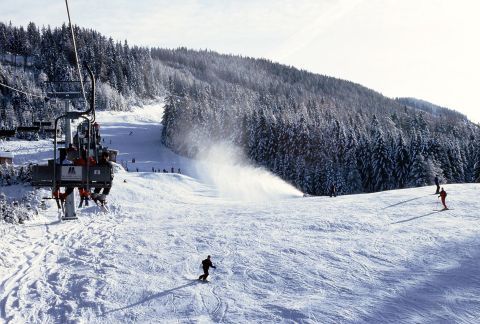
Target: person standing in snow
x=437 y=183
x=206 y=264
x=333 y=190
x=443 y=195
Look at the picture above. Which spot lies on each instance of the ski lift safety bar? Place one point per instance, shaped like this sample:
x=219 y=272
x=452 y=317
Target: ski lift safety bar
x=72 y=176
x=65 y=95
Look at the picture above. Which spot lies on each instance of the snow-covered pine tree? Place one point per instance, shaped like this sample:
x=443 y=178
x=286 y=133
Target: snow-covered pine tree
x=351 y=174
x=457 y=162
x=418 y=172
x=476 y=171
x=401 y=166
x=381 y=164
x=364 y=155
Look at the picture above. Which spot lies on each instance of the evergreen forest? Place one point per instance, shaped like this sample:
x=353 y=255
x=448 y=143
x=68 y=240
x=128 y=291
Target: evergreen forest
x=311 y=130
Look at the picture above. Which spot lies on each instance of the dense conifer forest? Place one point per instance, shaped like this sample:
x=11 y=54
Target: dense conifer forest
x=312 y=130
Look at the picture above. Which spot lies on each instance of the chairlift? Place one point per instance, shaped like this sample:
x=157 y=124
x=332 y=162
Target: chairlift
x=7 y=132
x=50 y=130
x=61 y=172
x=42 y=123
x=71 y=176
x=65 y=95
x=31 y=129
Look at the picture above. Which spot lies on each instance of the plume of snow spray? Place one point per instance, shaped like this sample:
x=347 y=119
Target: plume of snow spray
x=226 y=168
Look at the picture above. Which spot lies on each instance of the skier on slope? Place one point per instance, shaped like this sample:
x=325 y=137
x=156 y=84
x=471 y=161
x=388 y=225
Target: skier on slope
x=206 y=264
x=437 y=183
x=443 y=195
x=333 y=190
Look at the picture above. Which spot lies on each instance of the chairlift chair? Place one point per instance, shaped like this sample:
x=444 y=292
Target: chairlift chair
x=42 y=123
x=4 y=133
x=57 y=174
x=31 y=129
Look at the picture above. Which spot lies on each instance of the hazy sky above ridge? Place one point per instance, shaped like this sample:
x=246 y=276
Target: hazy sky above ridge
x=427 y=49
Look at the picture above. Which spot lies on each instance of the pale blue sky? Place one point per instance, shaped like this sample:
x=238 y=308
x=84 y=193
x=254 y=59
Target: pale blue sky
x=427 y=49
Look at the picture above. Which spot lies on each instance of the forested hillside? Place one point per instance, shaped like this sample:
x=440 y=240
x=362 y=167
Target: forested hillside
x=312 y=130
x=29 y=57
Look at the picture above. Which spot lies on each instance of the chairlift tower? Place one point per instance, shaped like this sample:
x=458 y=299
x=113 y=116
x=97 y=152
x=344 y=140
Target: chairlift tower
x=70 y=201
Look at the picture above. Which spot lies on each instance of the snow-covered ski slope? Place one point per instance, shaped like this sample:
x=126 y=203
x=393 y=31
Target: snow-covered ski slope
x=389 y=257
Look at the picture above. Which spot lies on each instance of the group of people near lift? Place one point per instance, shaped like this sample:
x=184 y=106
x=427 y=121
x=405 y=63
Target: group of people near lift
x=98 y=194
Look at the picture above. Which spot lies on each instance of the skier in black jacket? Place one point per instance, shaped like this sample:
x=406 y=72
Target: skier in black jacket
x=206 y=264
x=437 y=183
x=333 y=190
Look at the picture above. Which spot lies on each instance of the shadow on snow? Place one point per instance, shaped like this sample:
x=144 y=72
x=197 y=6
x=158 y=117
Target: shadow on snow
x=405 y=201
x=416 y=217
x=154 y=296
x=433 y=294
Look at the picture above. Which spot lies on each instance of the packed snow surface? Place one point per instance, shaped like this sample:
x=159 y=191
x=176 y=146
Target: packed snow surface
x=389 y=257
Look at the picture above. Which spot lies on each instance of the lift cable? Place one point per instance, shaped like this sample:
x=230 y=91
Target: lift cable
x=76 y=53
x=21 y=91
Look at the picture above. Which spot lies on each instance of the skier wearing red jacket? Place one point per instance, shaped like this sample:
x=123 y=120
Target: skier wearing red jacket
x=443 y=195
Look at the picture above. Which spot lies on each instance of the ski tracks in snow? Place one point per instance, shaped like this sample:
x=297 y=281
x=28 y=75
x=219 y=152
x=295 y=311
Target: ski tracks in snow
x=380 y=258
x=45 y=285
